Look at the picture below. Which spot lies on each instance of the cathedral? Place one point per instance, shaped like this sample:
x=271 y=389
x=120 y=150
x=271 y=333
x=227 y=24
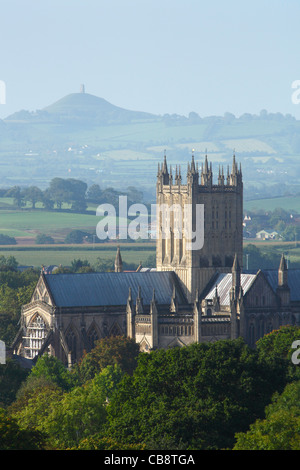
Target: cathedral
x=195 y=293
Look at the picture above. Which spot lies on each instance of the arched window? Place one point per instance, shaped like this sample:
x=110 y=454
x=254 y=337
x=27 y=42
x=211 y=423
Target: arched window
x=252 y=334
x=35 y=335
x=72 y=344
x=115 y=330
x=93 y=337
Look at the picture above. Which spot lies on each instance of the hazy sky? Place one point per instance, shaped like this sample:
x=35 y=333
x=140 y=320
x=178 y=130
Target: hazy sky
x=159 y=56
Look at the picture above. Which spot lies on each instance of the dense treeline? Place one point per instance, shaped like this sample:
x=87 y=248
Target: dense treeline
x=220 y=395
x=73 y=192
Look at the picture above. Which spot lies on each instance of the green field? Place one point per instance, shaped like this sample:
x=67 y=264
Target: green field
x=28 y=223
x=289 y=203
x=55 y=255
x=131 y=253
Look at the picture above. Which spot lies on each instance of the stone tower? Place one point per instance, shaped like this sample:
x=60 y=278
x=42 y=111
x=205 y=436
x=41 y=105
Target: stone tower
x=222 y=205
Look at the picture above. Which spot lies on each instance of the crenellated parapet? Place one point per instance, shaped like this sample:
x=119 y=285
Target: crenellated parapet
x=200 y=181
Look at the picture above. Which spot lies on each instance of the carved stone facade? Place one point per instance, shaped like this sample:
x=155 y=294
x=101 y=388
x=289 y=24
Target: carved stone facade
x=222 y=227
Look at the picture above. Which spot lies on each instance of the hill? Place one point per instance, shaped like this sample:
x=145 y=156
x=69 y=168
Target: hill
x=86 y=137
x=82 y=107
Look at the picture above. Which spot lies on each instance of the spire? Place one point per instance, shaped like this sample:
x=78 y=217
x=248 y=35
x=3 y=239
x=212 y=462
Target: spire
x=118 y=262
x=206 y=174
x=139 y=302
x=164 y=170
x=221 y=176
x=236 y=275
x=205 y=165
x=192 y=173
x=153 y=304
x=165 y=166
x=234 y=165
x=283 y=265
x=283 y=289
x=178 y=176
x=196 y=299
x=228 y=175
x=130 y=316
x=282 y=272
x=193 y=167
x=129 y=300
x=174 y=302
x=236 y=174
x=216 y=300
x=129 y=295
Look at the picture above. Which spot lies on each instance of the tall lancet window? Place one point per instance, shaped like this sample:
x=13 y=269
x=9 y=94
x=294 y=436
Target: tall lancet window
x=35 y=335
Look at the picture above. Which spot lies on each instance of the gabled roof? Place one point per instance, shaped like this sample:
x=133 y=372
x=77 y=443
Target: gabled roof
x=293 y=281
x=111 y=288
x=223 y=282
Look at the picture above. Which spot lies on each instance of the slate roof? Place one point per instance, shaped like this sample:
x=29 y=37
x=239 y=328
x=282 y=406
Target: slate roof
x=110 y=288
x=293 y=281
x=224 y=283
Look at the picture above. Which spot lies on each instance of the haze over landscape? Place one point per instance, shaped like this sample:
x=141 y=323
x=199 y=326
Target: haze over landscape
x=159 y=56
x=158 y=76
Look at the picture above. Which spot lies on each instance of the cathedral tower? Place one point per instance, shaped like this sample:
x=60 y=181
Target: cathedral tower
x=222 y=227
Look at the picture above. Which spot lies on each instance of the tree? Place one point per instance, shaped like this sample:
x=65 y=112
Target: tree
x=7 y=240
x=110 y=351
x=33 y=194
x=48 y=203
x=76 y=236
x=94 y=193
x=280 y=428
x=80 y=413
x=17 y=194
x=276 y=347
x=12 y=437
x=69 y=190
x=198 y=395
x=78 y=265
x=51 y=368
x=42 y=239
x=57 y=191
x=291 y=233
x=8 y=262
x=11 y=378
x=104 y=265
x=32 y=411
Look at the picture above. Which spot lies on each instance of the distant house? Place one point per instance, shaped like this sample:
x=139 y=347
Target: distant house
x=49 y=269
x=264 y=235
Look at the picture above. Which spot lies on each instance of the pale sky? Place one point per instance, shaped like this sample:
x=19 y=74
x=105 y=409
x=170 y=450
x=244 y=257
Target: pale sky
x=158 y=56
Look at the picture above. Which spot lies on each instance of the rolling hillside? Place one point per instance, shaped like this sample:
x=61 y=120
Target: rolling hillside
x=86 y=137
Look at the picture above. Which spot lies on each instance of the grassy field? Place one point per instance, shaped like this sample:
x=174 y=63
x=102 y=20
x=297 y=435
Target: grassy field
x=290 y=203
x=28 y=223
x=38 y=255
x=65 y=254
x=131 y=253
